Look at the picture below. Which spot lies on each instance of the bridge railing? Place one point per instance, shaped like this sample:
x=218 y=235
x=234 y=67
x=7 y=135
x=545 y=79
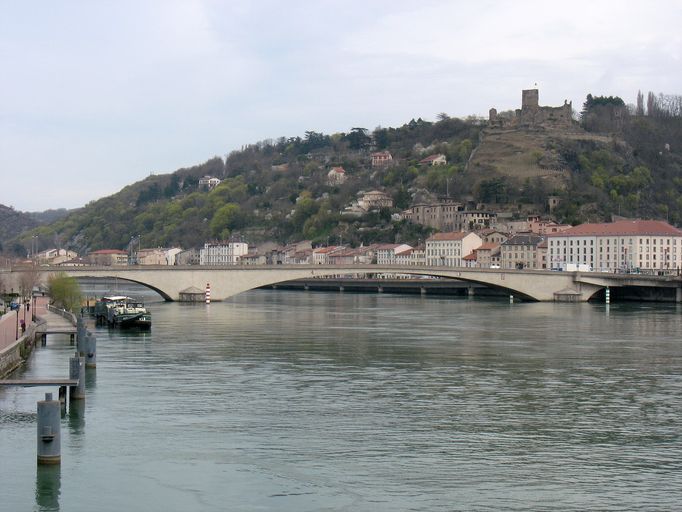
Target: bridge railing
x=68 y=315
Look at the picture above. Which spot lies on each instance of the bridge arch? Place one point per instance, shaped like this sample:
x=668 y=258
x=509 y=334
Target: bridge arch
x=228 y=281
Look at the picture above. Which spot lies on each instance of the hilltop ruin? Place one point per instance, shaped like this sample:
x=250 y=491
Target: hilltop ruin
x=532 y=115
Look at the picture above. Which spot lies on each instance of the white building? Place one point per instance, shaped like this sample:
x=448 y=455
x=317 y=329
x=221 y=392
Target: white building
x=618 y=246
x=336 y=176
x=55 y=256
x=222 y=253
x=208 y=182
x=387 y=253
x=375 y=199
x=321 y=254
x=449 y=249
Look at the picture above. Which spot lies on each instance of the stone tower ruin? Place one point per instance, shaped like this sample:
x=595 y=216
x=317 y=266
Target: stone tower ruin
x=530 y=99
x=532 y=115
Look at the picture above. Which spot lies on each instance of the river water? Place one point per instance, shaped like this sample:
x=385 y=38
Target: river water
x=303 y=401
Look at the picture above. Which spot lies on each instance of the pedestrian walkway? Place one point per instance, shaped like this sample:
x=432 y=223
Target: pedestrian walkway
x=46 y=322
x=55 y=324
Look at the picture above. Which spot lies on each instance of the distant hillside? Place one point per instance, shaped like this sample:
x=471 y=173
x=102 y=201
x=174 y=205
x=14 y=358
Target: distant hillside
x=49 y=216
x=612 y=162
x=12 y=224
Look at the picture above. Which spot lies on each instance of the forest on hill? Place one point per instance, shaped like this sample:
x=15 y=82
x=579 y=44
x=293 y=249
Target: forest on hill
x=279 y=190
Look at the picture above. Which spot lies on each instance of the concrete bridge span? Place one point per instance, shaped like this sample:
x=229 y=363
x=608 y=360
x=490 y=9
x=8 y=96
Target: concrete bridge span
x=227 y=281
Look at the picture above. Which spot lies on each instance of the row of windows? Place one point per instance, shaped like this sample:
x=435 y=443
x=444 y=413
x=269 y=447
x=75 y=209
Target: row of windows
x=642 y=241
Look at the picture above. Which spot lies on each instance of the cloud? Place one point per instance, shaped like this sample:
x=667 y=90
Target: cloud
x=121 y=89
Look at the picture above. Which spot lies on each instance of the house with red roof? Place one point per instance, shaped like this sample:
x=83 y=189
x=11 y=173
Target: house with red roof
x=622 y=246
x=434 y=160
x=381 y=159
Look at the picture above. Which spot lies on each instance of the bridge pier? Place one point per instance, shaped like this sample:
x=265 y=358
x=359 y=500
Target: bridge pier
x=678 y=295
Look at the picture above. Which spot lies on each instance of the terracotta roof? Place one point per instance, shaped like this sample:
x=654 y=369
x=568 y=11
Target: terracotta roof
x=620 y=228
x=430 y=158
x=488 y=246
x=459 y=235
x=324 y=250
x=109 y=251
x=470 y=257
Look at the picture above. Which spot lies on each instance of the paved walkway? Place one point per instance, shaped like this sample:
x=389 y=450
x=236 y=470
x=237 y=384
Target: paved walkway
x=10 y=323
x=55 y=324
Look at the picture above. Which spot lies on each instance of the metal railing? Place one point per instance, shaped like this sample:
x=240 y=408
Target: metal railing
x=67 y=315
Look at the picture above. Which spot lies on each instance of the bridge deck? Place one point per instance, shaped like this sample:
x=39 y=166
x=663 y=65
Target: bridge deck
x=38 y=382
x=55 y=324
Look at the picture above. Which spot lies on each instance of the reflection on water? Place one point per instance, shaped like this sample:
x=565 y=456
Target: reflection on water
x=303 y=401
x=48 y=487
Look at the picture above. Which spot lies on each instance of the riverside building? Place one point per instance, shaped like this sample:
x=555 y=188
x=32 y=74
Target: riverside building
x=222 y=253
x=623 y=246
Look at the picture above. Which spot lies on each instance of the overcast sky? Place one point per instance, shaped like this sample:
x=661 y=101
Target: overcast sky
x=96 y=95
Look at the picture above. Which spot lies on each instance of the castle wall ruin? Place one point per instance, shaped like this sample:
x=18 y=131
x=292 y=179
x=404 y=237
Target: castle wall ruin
x=532 y=115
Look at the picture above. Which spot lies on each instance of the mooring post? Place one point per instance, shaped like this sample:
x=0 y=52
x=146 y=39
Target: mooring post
x=49 y=431
x=511 y=299
x=62 y=395
x=81 y=333
x=43 y=340
x=90 y=351
x=607 y=295
x=470 y=291
x=77 y=371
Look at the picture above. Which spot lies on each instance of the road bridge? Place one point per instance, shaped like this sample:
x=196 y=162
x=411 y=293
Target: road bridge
x=227 y=281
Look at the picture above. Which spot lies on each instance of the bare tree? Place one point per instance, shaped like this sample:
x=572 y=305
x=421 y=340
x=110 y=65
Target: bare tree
x=640 y=104
x=651 y=104
x=27 y=280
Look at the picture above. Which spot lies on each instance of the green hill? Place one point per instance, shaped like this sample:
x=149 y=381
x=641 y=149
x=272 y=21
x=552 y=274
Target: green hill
x=611 y=163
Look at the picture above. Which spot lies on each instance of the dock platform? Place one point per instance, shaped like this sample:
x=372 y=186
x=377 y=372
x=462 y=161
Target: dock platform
x=38 y=382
